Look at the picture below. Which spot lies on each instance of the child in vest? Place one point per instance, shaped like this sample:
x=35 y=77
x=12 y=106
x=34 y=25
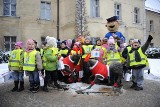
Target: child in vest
x=32 y=65
x=51 y=56
x=63 y=50
x=16 y=65
x=137 y=61
x=113 y=55
x=87 y=47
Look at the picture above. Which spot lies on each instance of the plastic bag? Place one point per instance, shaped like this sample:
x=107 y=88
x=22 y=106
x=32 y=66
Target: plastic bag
x=8 y=76
x=60 y=64
x=41 y=79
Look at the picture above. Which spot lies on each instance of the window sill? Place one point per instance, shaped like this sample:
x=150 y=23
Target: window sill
x=137 y=23
x=152 y=31
x=3 y=16
x=44 y=19
x=97 y=18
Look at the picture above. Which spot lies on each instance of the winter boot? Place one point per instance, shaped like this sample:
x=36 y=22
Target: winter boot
x=21 y=86
x=31 y=87
x=134 y=85
x=45 y=89
x=36 y=88
x=138 y=88
x=58 y=86
x=16 y=86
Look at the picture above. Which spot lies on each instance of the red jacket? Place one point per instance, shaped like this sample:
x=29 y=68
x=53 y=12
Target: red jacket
x=68 y=62
x=100 y=69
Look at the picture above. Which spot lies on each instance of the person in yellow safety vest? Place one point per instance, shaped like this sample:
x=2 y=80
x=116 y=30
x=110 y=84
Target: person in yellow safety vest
x=112 y=52
x=51 y=56
x=113 y=55
x=125 y=56
x=63 y=50
x=32 y=65
x=102 y=50
x=42 y=51
x=137 y=61
x=16 y=64
x=87 y=47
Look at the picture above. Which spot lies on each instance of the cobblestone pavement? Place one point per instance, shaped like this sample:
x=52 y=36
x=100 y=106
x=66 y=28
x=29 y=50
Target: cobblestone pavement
x=149 y=97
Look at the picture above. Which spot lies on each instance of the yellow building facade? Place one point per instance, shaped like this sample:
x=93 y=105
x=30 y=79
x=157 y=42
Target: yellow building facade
x=36 y=19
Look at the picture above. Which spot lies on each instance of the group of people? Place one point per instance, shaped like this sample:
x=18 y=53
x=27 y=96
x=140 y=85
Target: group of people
x=43 y=61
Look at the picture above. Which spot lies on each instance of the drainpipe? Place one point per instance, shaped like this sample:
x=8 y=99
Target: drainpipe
x=57 y=19
x=144 y=22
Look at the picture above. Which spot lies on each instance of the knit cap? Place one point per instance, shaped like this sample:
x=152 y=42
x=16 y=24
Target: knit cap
x=20 y=44
x=111 y=40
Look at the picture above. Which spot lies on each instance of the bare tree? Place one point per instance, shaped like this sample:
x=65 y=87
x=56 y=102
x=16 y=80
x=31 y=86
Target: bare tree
x=80 y=20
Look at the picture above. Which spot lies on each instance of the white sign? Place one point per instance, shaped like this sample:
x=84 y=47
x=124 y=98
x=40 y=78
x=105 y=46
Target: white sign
x=95 y=53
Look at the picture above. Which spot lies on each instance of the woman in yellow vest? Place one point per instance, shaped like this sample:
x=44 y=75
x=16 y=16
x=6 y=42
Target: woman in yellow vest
x=16 y=65
x=32 y=64
x=137 y=61
x=51 y=56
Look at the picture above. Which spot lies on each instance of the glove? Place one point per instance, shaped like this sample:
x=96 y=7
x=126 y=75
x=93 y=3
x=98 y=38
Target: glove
x=115 y=85
x=92 y=82
x=150 y=37
x=149 y=71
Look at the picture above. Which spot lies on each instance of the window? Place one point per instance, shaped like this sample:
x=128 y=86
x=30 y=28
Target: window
x=117 y=8
x=95 y=11
x=45 y=10
x=151 y=27
x=136 y=15
x=9 y=7
x=42 y=39
x=9 y=42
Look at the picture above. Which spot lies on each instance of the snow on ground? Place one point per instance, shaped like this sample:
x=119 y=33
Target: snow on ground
x=154 y=69
x=154 y=75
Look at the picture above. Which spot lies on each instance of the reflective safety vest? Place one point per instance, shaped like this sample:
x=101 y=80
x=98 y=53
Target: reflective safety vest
x=132 y=58
x=129 y=48
x=54 y=52
x=65 y=51
x=74 y=52
x=98 y=47
x=41 y=52
x=15 y=57
x=29 y=61
x=113 y=56
x=104 y=57
x=147 y=63
x=87 y=49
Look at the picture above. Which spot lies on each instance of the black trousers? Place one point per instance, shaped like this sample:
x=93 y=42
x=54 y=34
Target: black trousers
x=50 y=76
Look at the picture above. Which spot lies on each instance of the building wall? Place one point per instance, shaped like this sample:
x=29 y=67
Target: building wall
x=156 y=20
x=27 y=23
x=127 y=26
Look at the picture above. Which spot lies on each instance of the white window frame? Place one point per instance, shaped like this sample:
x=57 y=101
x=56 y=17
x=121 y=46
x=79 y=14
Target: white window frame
x=151 y=26
x=95 y=8
x=136 y=15
x=117 y=11
x=10 y=9
x=45 y=17
x=10 y=42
